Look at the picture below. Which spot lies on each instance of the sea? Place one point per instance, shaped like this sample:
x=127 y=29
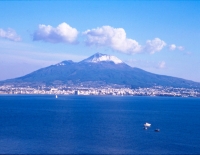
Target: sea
x=44 y=124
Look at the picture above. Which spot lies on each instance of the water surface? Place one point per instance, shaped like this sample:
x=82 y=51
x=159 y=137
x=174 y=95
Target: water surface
x=40 y=124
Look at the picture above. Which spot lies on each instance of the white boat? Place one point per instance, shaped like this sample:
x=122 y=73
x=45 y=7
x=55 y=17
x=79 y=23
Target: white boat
x=147 y=124
x=56 y=96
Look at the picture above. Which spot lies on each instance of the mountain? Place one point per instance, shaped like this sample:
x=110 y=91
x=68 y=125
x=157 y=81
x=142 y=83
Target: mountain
x=95 y=71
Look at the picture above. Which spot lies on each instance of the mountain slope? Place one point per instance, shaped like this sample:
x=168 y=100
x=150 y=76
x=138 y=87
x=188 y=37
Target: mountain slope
x=98 y=70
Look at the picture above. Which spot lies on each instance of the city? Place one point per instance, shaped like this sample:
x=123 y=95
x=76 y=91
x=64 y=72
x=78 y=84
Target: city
x=108 y=90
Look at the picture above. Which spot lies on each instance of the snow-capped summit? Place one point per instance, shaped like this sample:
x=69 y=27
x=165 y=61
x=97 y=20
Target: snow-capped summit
x=98 y=57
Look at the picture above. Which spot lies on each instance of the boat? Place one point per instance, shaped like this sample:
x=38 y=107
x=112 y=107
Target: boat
x=147 y=124
x=56 y=96
x=157 y=130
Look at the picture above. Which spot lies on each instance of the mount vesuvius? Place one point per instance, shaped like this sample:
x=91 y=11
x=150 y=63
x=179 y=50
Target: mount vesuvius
x=95 y=71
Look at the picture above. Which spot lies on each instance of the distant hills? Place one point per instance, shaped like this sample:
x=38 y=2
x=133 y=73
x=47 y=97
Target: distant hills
x=96 y=71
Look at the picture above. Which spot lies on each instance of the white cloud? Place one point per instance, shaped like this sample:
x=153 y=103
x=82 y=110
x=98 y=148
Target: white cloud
x=62 y=33
x=173 y=47
x=154 y=45
x=9 y=34
x=162 y=65
x=114 y=38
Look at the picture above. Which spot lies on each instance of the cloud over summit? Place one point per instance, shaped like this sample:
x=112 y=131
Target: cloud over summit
x=62 y=33
x=114 y=38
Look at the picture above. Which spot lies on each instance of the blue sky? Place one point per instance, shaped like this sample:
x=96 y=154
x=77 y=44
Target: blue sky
x=162 y=37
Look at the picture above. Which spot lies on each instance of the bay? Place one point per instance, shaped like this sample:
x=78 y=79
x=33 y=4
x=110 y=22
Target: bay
x=43 y=124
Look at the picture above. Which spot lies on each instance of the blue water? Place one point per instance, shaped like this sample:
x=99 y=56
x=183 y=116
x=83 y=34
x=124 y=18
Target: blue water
x=98 y=125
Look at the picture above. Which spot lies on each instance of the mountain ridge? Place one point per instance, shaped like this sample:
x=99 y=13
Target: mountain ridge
x=99 y=73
